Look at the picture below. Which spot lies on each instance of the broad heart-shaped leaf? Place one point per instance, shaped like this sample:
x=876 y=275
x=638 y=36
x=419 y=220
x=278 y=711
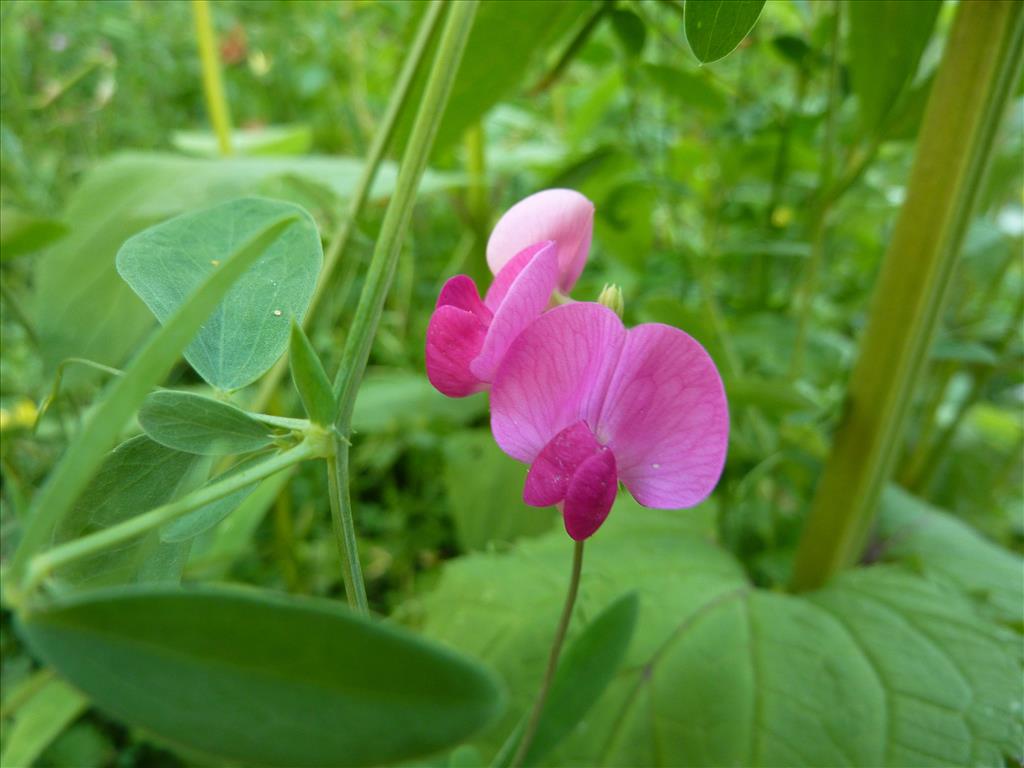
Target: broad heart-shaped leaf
x=249 y=329
x=81 y=306
x=937 y=543
x=137 y=476
x=186 y=421
x=263 y=679
x=584 y=671
x=310 y=379
x=882 y=668
x=715 y=27
x=886 y=40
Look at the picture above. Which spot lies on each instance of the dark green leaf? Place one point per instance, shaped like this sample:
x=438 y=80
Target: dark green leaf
x=691 y=89
x=22 y=233
x=249 y=329
x=770 y=395
x=310 y=379
x=254 y=677
x=630 y=30
x=886 y=39
x=525 y=32
x=715 y=27
x=194 y=423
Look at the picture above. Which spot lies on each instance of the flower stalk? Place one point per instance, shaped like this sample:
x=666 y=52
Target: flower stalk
x=213 y=83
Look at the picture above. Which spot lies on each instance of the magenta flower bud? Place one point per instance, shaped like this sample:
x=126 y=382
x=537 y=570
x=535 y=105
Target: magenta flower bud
x=588 y=403
x=562 y=215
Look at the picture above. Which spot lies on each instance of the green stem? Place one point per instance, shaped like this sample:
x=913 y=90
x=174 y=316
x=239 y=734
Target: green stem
x=47 y=562
x=338 y=245
x=213 y=85
x=975 y=79
x=556 y=651
x=382 y=269
x=345 y=530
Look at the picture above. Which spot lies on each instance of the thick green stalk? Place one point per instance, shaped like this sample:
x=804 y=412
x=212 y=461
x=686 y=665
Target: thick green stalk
x=47 y=562
x=213 y=84
x=382 y=270
x=978 y=72
x=338 y=244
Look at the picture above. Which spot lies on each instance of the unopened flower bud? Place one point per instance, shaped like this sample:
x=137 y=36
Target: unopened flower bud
x=611 y=297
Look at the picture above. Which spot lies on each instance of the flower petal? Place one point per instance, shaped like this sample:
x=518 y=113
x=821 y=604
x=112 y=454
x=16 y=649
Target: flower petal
x=666 y=418
x=508 y=273
x=460 y=291
x=590 y=496
x=547 y=482
x=525 y=298
x=554 y=374
x=454 y=339
x=562 y=215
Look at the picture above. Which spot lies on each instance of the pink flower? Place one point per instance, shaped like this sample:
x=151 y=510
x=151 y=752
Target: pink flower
x=467 y=338
x=588 y=403
x=562 y=215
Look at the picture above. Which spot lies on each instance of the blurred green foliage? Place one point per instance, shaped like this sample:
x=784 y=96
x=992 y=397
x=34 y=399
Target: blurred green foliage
x=707 y=182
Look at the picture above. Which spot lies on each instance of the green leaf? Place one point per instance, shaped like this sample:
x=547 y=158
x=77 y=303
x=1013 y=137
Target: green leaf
x=250 y=676
x=81 y=306
x=486 y=503
x=124 y=395
x=939 y=544
x=882 y=668
x=203 y=519
x=137 y=476
x=586 y=669
x=194 y=423
x=715 y=27
x=310 y=379
x=630 y=30
x=770 y=395
x=249 y=329
x=265 y=140
x=391 y=399
x=39 y=720
x=886 y=39
x=22 y=234
x=529 y=29
x=689 y=88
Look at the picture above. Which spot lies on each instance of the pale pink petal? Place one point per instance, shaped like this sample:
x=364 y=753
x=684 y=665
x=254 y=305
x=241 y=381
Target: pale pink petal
x=553 y=375
x=525 y=299
x=508 y=274
x=666 y=418
x=547 y=482
x=454 y=339
x=562 y=215
x=590 y=495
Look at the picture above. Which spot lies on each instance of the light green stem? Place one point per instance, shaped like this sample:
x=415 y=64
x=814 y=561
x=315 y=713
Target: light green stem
x=338 y=245
x=556 y=651
x=381 y=272
x=975 y=79
x=213 y=85
x=47 y=562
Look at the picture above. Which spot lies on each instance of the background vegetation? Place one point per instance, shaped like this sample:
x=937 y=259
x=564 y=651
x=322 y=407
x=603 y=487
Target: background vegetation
x=748 y=201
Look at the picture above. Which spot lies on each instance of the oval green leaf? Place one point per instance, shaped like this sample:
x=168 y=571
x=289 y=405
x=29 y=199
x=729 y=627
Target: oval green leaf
x=715 y=27
x=203 y=519
x=249 y=330
x=263 y=679
x=193 y=423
